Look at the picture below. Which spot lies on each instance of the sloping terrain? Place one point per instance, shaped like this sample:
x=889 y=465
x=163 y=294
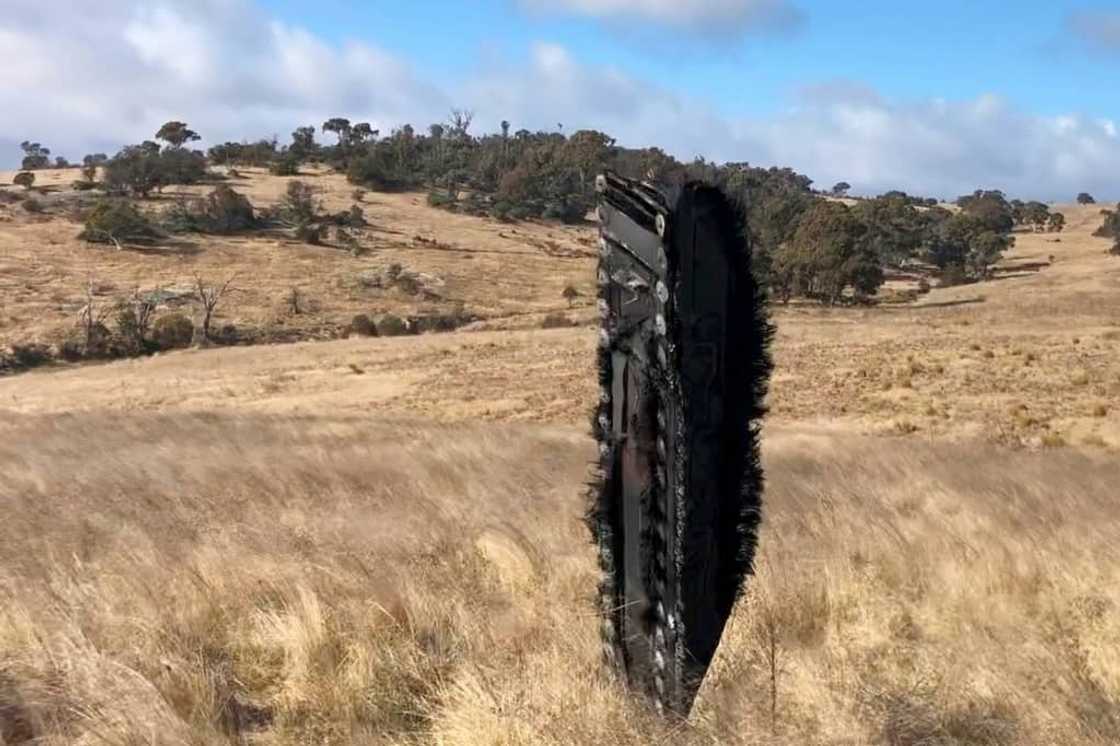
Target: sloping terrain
x=214 y=578
x=379 y=540
x=509 y=274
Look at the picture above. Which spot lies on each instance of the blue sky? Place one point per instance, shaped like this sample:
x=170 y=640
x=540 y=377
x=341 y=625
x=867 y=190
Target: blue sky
x=948 y=49
x=935 y=98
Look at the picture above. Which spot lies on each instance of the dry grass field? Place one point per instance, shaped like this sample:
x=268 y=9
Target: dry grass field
x=507 y=275
x=378 y=540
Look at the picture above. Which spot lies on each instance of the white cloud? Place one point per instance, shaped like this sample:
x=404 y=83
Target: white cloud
x=723 y=17
x=89 y=78
x=83 y=76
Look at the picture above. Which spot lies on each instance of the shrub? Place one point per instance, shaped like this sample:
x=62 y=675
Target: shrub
x=116 y=221
x=572 y=209
x=556 y=321
x=286 y=165
x=32 y=205
x=363 y=326
x=30 y=355
x=310 y=233
x=135 y=170
x=133 y=318
x=299 y=203
x=25 y=179
x=226 y=211
x=954 y=274
x=440 y=198
x=355 y=217
x=391 y=325
x=181 y=166
x=172 y=331
x=95 y=342
x=442 y=322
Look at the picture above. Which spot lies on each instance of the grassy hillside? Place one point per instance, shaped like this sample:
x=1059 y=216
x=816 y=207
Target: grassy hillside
x=507 y=274
x=379 y=541
x=199 y=578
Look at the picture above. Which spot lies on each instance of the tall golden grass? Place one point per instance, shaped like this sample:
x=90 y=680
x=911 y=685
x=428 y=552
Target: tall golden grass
x=196 y=579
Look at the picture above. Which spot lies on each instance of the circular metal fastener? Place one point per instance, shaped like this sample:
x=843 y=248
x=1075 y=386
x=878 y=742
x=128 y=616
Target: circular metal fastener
x=660 y=326
x=604 y=247
x=659 y=223
x=662 y=292
x=604 y=309
x=604 y=338
x=601 y=183
x=604 y=278
x=604 y=422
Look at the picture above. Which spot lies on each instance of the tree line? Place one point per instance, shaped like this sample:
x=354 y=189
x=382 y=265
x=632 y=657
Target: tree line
x=806 y=243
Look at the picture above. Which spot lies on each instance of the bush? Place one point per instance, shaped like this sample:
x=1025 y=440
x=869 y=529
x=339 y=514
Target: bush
x=83 y=186
x=310 y=233
x=174 y=330
x=117 y=221
x=222 y=211
x=32 y=205
x=226 y=211
x=442 y=322
x=556 y=321
x=181 y=166
x=569 y=210
x=135 y=170
x=954 y=274
x=299 y=203
x=286 y=165
x=440 y=198
x=99 y=344
x=30 y=355
x=25 y=179
x=355 y=217
x=363 y=326
x=391 y=325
